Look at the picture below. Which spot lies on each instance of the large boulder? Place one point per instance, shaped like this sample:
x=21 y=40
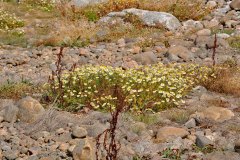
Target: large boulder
x=29 y=109
x=148 y=18
x=235 y=4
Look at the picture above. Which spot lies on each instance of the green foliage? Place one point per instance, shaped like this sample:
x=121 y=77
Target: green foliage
x=205 y=150
x=45 y=5
x=234 y=42
x=173 y=154
x=16 y=90
x=91 y=15
x=14 y=37
x=9 y=21
x=145 y=88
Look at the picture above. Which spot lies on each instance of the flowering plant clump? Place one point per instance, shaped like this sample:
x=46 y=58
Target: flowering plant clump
x=46 y=5
x=151 y=88
x=9 y=21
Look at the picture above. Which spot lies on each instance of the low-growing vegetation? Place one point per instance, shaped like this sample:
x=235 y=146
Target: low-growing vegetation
x=9 y=21
x=145 y=88
x=234 y=42
x=12 y=90
x=231 y=75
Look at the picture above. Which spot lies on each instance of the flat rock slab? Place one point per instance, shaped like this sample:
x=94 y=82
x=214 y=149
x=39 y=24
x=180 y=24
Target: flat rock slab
x=217 y=114
x=170 y=133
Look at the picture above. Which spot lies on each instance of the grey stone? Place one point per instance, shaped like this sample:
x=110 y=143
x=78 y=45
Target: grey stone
x=203 y=141
x=190 y=123
x=10 y=113
x=29 y=109
x=145 y=58
x=181 y=52
x=79 y=132
x=222 y=155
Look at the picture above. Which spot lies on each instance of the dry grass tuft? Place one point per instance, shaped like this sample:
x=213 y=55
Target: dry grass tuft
x=227 y=81
x=16 y=90
x=182 y=9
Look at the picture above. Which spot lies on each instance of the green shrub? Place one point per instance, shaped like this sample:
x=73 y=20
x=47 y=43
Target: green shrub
x=45 y=5
x=145 y=88
x=9 y=21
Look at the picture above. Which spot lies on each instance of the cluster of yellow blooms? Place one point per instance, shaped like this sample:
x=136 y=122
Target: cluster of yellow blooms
x=9 y=21
x=45 y=5
x=146 y=88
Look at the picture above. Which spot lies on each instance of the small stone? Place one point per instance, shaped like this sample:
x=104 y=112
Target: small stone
x=60 y=131
x=11 y=155
x=6 y=148
x=145 y=58
x=181 y=52
x=237 y=146
x=79 y=132
x=222 y=155
x=10 y=113
x=203 y=141
x=170 y=133
x=63 y=147
x=204 y=32
x=211 y=4
x=1 y=119
x=121 y=42
x=190 y=123
x=85 y=150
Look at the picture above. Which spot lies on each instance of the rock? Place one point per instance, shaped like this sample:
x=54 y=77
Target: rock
x=214 y=23
x=190 y=123
x=149 y=18
x=11 y=155
x=191 y=24
x=95 y=129
x=211 y=4
x=222 y=155
x=121 y=42
x=82 y=3
x=145 y=58
x=1 y=119
x=29 y=109
x=223 y=35
x=181 y=52
x=204 y=32
x=85 y=150
x=63 y=147
x=79 y=132
x=170 y=133
x=217 y=114
x=237 y=146
x=235 y=4
x=10 y=113
x=203 y=141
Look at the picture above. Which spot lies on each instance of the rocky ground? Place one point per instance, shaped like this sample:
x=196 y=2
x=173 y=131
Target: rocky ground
x=207 y=127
